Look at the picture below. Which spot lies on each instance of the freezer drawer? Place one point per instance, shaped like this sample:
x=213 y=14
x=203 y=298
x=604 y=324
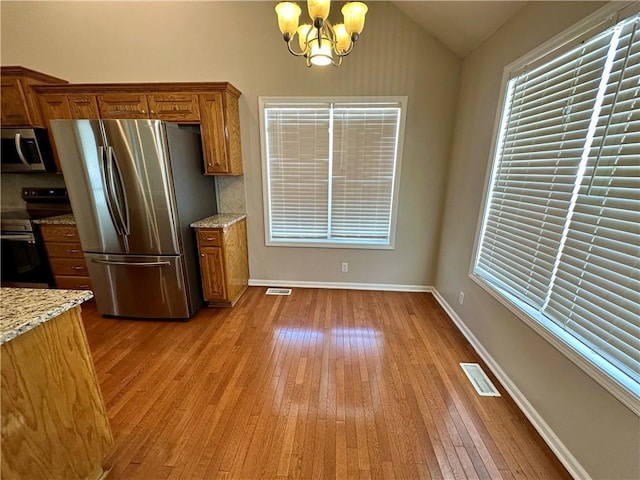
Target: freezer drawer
x=140 y=286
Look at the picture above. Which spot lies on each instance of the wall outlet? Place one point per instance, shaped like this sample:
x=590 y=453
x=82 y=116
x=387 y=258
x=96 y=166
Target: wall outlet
x=345 y=267
x=461 y=298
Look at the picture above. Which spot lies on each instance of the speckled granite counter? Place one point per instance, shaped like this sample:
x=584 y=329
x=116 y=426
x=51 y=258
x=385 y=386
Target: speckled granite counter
x=67 y=219
x=23 y=309
x=221 y=220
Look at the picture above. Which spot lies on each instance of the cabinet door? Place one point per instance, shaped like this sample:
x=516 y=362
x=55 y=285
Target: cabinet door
x=54 y=107
x=232 y=129
x=123 y=105
x=14 y=107
x=212 y=270
x=214 y=134
x=83 y=106
x=174 y=107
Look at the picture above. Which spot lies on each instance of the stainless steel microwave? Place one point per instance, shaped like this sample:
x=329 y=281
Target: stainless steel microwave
x=26 y=150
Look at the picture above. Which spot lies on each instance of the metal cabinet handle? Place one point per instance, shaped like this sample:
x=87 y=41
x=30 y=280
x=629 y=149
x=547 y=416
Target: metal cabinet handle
x=78 y=268
x=69 y=235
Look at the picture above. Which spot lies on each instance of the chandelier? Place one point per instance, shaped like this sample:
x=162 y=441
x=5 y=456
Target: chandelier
x=320 y=42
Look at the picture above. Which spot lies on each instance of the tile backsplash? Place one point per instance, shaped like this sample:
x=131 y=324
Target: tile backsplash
x=12 y=184
x=230 y=192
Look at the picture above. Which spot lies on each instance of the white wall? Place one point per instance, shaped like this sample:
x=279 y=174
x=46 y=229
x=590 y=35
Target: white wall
x=599 y=431
x=239 y=42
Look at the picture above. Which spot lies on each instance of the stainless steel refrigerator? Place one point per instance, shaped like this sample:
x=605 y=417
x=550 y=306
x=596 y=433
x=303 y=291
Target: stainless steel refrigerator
x=135 y=186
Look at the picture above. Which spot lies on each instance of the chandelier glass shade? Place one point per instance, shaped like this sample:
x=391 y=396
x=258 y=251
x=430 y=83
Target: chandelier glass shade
x=320 y=42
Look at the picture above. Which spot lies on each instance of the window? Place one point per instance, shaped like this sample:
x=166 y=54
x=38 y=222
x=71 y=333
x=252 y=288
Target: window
x=331 y=170
x=560 y=235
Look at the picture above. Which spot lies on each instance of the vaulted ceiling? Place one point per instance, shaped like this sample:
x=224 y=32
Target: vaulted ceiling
x=460 y=25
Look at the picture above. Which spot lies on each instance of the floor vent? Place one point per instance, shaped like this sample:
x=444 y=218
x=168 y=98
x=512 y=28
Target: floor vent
x=479 y=380
x=278 y=291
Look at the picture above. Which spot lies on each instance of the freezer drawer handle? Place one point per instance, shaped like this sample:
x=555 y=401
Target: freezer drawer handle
x=132 y=264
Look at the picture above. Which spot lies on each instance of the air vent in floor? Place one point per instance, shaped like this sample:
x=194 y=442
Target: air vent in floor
x=278 y=291
x=479 y=380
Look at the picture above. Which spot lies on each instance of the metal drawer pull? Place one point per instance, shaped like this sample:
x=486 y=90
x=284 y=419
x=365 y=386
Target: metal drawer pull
x=78 y=268
x=132 y=264
x=75 y=250
x=211 y=238
x=69 y=235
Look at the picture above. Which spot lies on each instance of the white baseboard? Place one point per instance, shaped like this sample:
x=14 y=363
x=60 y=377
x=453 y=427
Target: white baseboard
x=254 y=282
x=548 y=435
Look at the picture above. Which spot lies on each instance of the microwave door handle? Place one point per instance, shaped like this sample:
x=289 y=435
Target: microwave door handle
x=18 y=140
x=123 y=210
x=107 y=181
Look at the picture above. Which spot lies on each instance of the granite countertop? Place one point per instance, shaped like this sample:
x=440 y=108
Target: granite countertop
x=67 y=219
x=23 y=309
x=221 y=220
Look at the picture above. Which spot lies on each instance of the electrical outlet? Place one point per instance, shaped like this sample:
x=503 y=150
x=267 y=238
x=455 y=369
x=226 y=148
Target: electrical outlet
x=461 y=298
x=345 y=267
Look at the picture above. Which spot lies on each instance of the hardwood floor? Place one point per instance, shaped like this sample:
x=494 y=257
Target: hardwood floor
x=321 y=384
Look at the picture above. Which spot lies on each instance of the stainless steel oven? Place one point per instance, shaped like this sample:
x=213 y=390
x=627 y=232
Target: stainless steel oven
x=24 y=260
x=24 y=257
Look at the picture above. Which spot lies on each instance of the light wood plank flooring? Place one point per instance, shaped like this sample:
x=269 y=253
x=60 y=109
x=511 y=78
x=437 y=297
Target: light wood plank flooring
x=322 y=384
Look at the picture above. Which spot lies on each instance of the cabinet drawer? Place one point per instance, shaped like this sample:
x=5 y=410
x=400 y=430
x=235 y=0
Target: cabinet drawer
x=69 y=266
x=64 y=250
x=174 y=107
x=60 y=233
x=73 y=283
x=209 y=238
x=123 y=105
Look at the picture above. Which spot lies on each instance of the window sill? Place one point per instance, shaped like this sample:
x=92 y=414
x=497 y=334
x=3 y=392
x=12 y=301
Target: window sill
x=325 y=244
x=584 y=358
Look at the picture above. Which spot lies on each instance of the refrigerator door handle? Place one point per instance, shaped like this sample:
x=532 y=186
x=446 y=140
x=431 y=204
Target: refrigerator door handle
x=109 y=190
x=123 y=210
x=131 y=264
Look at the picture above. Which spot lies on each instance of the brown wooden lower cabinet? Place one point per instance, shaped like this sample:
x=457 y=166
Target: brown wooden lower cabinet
x=65 y=256
x=224 y=264
x=54 y=421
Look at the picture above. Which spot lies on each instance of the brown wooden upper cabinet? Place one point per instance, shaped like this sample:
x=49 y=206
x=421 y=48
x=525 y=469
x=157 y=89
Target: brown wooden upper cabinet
x=214 y=106
x=20 y=107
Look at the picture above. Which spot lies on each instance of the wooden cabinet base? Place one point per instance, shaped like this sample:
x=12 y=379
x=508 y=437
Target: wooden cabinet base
x=224 y=263
x=227 y=303
x=54 y=422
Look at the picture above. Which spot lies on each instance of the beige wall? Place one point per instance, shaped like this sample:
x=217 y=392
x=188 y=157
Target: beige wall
x=602 y=434
x=240 y=42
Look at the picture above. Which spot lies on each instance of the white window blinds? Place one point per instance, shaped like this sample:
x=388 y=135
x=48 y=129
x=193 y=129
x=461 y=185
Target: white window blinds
x=331 y=171
x=561 y=228
x=298 y=170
